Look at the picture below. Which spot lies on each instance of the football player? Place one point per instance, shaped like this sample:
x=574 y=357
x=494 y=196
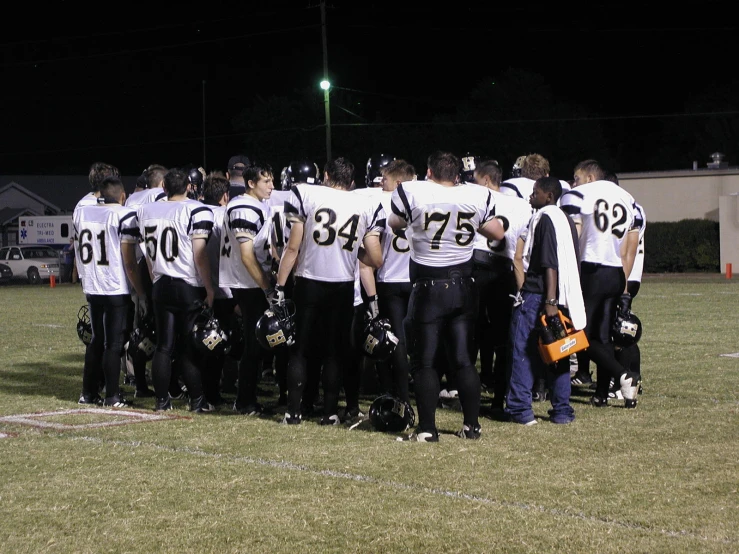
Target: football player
x=328 y=225
x=175 y=233
x=106 y=234
x=373 y=170
x=531 y=167
x=241 y=271
x=493 y=261
x=441 y=218
x=394 y=284
x=215 y=195
x=603 y=213
x=151 y=192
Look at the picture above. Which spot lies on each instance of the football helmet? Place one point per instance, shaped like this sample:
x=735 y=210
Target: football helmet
x=391 y=414
x=284 y=181
x=195 y=178
x=277 y=326
x=302 y=171
x=144 y=339
x=207 y=335
x=377 y=340
x=469 y=164
x=84 y=325
x=373 y=175
x=516 y=171
x=626 y=330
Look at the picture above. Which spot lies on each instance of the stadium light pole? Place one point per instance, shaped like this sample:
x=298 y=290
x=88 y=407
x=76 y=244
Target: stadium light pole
x=325 y=85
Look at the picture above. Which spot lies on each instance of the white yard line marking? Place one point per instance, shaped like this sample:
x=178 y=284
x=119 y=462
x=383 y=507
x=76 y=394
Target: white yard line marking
x=36 y=419
x=54 y=325
x=734 y=355
x=413 y=488
x=7 y=435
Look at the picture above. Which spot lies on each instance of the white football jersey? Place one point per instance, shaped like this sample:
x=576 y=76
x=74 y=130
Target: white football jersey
x=88 y=199
x=335 y=223
x=522 y=187
x=396 y=252
x=168 y=229
x=640 y=220
x=605 y=212
x=245 y=217
x=99 y=230
x=145 y=196
x=514 y=213
x=442 y=221
x=214 y=251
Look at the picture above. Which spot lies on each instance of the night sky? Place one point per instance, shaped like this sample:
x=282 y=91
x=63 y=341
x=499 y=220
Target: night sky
x=126 y=86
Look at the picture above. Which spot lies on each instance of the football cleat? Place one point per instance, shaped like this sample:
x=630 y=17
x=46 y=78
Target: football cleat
x=201 y=406
x=250 y=410
x=330 y=420
x=581 y=378
x=598 y=402
x=420 y=436
x=291 y=419
x=116 y=402
x=93 y=400
x=470 y=432
x=163 y=404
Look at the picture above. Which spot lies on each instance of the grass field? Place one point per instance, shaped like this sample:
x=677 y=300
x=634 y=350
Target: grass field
x=661 y=478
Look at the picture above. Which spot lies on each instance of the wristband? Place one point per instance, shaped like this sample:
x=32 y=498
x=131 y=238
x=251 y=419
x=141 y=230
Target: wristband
x=551 y=302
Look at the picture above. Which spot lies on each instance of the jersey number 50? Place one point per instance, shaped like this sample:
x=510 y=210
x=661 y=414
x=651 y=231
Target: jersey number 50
x=168 y=243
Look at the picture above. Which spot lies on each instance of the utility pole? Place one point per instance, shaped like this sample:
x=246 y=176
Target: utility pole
x=326 y=104
x=204 y=163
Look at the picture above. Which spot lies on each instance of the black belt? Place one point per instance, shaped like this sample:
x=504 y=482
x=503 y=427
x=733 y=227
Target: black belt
x=487 y=260
x=428 y=282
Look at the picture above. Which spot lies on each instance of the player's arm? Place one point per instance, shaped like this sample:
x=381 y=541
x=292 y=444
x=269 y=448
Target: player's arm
x=518 y=270
x=396 y=222
x=249 y=259
x=202 y=265
x=629 y=246
x=367 y=278
x=370 y=253
x=290 y=254
x=128 y=251
x=550 y=286
x=493 y=229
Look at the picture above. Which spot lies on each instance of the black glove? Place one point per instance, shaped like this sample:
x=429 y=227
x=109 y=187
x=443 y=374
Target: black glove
x=372 y=308
x=624 y=304
x=275 y=296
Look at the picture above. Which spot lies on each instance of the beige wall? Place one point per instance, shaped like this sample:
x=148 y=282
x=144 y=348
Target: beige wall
x=729 y=232
x=676 y=195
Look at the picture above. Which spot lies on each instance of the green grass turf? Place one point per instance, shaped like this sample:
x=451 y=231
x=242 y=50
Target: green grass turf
x=661 y=478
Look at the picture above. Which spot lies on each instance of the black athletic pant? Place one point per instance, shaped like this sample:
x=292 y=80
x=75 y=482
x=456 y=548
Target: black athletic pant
x=108 y=316
x=496 y=283
x=323 y=309
x=443 y=310
x=602 y=287
x=176 y=306
x=253 y=304
x=393 y=299
x=223 y=311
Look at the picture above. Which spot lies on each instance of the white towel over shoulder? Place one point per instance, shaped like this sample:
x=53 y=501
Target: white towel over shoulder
x=570 y=293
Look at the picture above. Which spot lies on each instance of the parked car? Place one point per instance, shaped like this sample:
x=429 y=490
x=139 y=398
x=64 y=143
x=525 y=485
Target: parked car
x=32 y=262
x=6 y=274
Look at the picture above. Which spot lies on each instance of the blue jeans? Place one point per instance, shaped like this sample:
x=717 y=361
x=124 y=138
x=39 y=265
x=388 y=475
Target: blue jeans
x=526 y=362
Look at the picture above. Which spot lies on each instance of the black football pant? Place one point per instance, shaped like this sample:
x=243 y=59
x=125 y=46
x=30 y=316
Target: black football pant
x=602 y=287
x=393 y=374
x=443 y=311
x=108 y=316
x=324 y=312
x=176 y=307
x=253 y=304
x=496 y=283
x=223 y=311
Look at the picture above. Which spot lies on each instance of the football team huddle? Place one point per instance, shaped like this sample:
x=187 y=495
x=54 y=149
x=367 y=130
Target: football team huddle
x=196 y=283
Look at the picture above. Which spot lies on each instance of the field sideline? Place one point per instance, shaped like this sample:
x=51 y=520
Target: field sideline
x=661 y=478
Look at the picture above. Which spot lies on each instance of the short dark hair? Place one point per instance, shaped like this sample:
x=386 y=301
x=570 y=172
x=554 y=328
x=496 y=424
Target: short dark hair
x=99 y=171
x=491 y=169
x=610 y=176
x=175 y=182
x=154 y=175
x=214 y=187
x=550 y=184
x=401 y=169
x=340 y=173
x=444 y=166
x=256 y=170
x=591 y=167
x=111 y=189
